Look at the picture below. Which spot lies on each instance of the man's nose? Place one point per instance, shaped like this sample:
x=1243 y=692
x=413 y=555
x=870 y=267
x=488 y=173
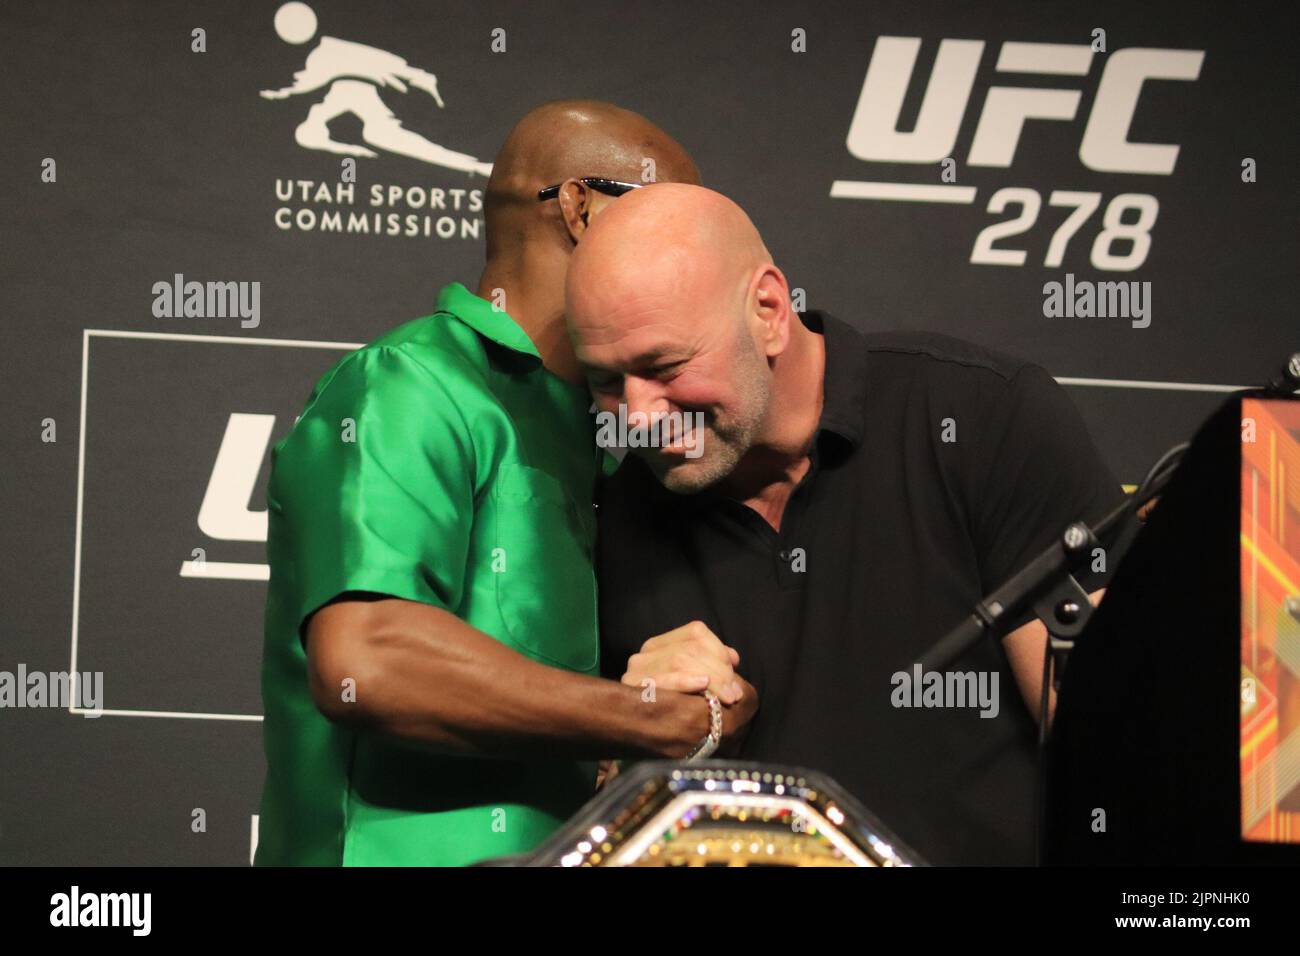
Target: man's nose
x=644 y=395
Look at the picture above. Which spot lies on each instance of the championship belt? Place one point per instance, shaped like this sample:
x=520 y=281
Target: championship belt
x=722 y=813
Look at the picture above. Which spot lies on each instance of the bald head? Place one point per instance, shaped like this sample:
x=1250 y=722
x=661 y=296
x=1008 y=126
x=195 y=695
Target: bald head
x=571 y=139
x=674 y=305
x=674 y=239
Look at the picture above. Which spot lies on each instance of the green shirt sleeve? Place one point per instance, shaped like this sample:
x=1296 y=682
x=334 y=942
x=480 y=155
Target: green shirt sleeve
x=375 y=486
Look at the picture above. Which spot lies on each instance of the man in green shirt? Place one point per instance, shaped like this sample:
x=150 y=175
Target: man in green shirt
x=431 y=649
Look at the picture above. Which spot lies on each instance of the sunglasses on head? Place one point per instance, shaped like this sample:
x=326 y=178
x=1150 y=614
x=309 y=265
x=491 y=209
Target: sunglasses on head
x=610 y=187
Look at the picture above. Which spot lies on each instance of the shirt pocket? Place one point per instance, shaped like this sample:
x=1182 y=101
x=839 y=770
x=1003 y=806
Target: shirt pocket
x=546 y=589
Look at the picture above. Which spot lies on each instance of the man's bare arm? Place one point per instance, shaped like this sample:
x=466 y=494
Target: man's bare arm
x=1025 y=647
x=423 y=675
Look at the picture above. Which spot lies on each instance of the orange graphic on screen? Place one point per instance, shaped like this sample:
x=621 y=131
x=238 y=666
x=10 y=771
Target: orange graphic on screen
x=1270 y=621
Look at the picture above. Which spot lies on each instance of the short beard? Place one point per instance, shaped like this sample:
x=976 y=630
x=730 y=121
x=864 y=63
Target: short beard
x=727 y=442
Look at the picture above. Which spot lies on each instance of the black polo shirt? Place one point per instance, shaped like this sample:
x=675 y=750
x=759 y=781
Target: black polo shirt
x=939 y=469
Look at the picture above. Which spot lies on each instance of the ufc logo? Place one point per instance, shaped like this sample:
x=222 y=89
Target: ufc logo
x=224 y=514
x=874 y=135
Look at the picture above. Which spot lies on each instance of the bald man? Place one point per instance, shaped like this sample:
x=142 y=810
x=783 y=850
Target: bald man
x=846 y=500
x=431 y=649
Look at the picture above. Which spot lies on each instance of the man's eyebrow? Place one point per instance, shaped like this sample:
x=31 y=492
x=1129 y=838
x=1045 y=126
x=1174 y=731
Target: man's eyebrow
x=650 y=356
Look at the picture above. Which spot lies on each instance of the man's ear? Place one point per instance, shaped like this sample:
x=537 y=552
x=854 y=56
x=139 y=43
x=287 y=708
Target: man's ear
x=771 y=298
x=575 y=207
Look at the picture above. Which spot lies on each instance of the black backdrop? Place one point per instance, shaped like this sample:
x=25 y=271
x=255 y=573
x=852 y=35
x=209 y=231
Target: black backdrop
x=167 y=161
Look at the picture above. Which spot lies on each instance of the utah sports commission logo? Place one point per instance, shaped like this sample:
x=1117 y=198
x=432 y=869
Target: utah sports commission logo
x=1117 y=225
x=344 y=78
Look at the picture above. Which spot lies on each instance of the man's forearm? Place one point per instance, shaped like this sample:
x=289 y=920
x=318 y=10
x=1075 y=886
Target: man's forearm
x=1024 y=648
x=425 y=676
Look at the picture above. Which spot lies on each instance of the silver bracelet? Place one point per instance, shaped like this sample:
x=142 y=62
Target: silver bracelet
x=709 y=743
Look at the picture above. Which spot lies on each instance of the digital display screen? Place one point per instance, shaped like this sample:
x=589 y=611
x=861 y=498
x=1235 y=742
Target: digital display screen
x=1270 y=621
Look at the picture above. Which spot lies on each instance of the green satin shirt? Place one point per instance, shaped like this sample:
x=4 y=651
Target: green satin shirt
x=442 y=464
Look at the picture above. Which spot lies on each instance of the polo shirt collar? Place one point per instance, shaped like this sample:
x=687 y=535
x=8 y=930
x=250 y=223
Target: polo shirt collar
x=493 y=324
x=844 y=385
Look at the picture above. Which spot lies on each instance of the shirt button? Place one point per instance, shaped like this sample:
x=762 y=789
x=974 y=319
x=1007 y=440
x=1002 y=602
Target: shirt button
x=784 y=555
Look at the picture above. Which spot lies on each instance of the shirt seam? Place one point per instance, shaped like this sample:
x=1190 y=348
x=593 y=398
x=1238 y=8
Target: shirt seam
x=950 y=359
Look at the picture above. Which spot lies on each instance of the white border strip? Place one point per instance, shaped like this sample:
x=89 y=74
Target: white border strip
x=91 y=712
x=901 y=192
x=81 y=499
x=1162 y=386
x=319 y=344
x=224 y=339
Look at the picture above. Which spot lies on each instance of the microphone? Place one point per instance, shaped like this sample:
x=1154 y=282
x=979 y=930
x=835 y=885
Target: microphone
x=1288 y=382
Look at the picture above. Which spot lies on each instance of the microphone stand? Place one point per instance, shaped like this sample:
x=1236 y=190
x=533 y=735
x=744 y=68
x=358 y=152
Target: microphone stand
x=1048 y=584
